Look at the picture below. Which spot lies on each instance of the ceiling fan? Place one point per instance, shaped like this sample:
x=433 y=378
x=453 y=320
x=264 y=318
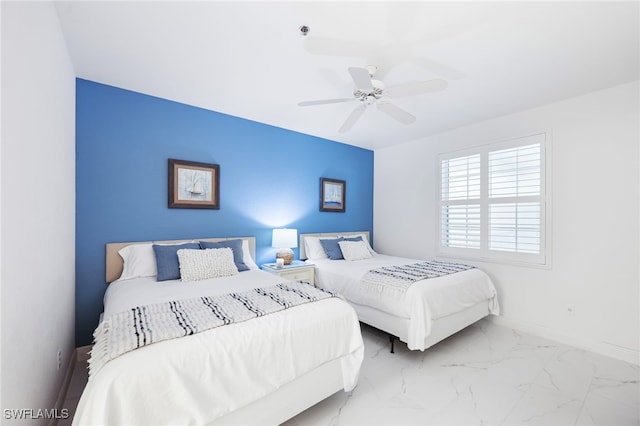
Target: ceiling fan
x=370 y=91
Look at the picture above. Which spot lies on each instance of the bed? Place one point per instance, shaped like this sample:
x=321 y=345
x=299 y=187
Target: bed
x=263 y=370
x=427 y=312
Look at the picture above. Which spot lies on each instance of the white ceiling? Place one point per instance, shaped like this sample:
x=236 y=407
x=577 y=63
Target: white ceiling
x=248 y=59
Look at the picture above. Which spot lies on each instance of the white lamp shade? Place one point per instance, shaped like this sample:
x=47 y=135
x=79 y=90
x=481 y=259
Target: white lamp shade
x=285 y=238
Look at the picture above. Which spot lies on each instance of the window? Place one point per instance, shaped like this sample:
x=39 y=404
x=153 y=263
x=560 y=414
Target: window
x=492 y=201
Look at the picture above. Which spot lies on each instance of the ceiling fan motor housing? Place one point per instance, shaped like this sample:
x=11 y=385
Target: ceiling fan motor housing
x=370 y=96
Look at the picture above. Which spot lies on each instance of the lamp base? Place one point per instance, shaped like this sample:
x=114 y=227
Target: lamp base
x=286 y=254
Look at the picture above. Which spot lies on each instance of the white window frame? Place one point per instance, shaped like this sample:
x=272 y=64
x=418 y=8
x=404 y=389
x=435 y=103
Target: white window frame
x=483 y=253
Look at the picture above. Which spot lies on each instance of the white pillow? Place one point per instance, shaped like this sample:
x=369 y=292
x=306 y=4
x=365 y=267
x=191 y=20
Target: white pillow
x=364 y=238
x=196 y=265
x=139 y=261
x=354 y=250
x=246 y=256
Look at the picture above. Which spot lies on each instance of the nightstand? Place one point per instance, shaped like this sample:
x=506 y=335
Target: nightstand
x=297 y=271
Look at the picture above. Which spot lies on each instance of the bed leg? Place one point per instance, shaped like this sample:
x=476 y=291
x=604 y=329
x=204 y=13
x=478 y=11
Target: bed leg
x=391 y=338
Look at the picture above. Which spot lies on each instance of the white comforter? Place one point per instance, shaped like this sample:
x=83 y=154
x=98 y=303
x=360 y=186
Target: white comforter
x=198 y=378
x=425 y=301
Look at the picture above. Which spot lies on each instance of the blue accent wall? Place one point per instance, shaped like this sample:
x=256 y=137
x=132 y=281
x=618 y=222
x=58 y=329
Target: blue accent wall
x=269 y=177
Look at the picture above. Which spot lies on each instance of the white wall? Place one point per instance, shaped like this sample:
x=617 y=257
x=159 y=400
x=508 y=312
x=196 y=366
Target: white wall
x=590 y=296
x=38 y=206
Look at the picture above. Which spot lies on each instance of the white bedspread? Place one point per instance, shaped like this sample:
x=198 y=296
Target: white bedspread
x=198 y=378
x=424 y=301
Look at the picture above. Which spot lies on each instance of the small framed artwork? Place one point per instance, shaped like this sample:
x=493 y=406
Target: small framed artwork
x=193 y=185
x=332 y=195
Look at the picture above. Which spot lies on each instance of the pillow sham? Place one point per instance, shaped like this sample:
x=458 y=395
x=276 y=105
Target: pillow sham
x=197 y=265
x=167 y=260
x=354 y=250
x=139 y=261
x=235 y=245
x=365 y=239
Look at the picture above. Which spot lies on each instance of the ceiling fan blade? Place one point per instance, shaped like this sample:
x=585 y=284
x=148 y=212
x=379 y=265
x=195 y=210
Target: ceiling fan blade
x=361 y=78
x=325 y=101
x=353 y=117
x=416 y=88
x=335 y=47
x=395 y=112
x=436 y=67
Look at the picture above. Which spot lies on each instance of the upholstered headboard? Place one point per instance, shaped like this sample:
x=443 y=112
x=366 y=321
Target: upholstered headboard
x=303 y=254
x=114 y=262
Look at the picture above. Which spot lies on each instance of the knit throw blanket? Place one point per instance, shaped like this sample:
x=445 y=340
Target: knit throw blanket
x=396 y=280
x=144 y=325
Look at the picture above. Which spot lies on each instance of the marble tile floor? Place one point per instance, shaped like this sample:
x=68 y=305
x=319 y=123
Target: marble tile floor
x=486 y=374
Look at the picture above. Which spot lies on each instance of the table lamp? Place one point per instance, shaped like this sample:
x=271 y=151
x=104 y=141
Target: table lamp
x=285 y=239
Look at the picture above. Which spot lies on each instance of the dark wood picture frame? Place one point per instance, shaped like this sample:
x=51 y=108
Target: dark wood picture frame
x=333 y=195
x=193 y=185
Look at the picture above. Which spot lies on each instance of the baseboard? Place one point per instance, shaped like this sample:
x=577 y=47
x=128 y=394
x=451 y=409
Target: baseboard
x=602 y=348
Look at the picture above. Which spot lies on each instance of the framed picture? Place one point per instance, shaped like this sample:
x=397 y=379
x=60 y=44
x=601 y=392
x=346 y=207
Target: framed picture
x=332 y=195
x=193 y=185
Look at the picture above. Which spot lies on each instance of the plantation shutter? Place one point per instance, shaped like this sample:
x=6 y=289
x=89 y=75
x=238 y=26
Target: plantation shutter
x=460 y=213
x=514 y=213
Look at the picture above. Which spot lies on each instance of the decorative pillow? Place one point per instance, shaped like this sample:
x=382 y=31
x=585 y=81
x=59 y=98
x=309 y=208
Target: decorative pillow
x=167 y=260
x=235 y=245
x=354 y=250
x=246 y=256
x=196 y=265
x=365 y=239
x=332 y=249
x=139 y=261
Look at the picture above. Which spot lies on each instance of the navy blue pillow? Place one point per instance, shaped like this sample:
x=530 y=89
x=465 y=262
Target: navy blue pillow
x=358 y=238
x=234 y=245
x=332 y=248
x=167 y=260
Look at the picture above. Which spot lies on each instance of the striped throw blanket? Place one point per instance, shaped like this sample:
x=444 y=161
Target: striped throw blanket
x=397 y=279
x=144 y=325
